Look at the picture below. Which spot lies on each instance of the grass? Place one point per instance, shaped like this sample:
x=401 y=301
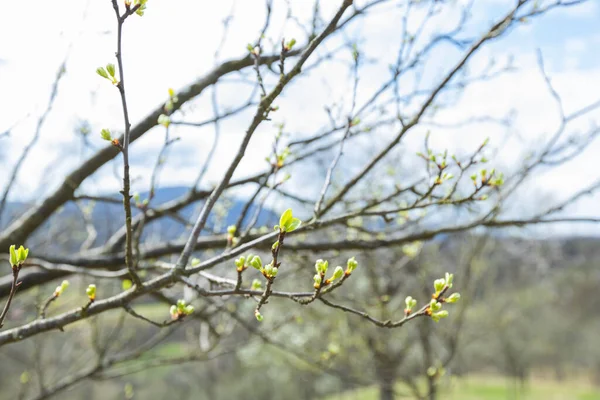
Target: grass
x=493 y=388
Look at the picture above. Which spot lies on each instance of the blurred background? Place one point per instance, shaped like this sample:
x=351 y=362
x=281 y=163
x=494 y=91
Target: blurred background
x=503 y=92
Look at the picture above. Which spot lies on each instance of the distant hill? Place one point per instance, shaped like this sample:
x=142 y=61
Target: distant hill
x=68 y=228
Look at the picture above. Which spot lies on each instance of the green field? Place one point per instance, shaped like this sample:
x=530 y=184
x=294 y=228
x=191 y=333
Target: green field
x=493 y=388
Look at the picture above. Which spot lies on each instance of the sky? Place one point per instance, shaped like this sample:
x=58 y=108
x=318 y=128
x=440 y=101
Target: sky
x=175 y=42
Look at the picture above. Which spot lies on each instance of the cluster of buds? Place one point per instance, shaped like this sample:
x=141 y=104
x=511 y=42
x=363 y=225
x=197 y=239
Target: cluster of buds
x=434 y=308
x=108 y=72
x=170 y=104
x=442 y=178
x=441 y=286
x=254 y=50
x=410 y=304
x=164 y=120
x=491 y=179
x=60 y=289
x=269 y=271
x=280 y=157
x=321 y=267
x=354 y=122
x=436 y=372
x=91 y=292
x=139 y=202
x=106 y=135
x=231 y=230
x=351 y=266
x=140 y=4
x=17 y=256
x=242 y=263
x=181 y=310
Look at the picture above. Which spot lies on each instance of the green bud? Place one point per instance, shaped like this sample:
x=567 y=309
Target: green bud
x=453 y=298
x=105 y=134
x=164 y=120
x=289 y=45
x=111 y=69
x=126 y=284
x=435 y=305
x=256 y=284
x=195 y=262
x=180 y=304
x=439 y=284
x=256 y=262
x=410 y=302
x=102 y=72
x=337 y=273
x=436 y=316
x=449 y=279
x=321 y=266
x=240 y=262
x=17 y=256
x=91 y=292
x=317 y=279
x=13 y=256
x=351 y=264
x=270 y=270
x=188 y=310
x=275 y=245
x=22 y=254
x=231 y=229
x=64 y=285
x=24 y=377
x=249 y=47
x=258 y=316
x=173 y=312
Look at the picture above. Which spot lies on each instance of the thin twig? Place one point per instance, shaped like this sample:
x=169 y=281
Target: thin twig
x=125 y=145
x=13 y=291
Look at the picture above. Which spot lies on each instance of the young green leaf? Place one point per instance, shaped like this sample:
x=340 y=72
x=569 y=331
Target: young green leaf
x=285 y=219
x=102 y=72
x=111 y=69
